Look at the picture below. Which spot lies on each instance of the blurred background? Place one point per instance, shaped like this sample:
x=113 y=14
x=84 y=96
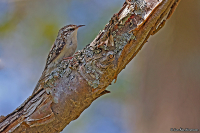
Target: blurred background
x=158 y=90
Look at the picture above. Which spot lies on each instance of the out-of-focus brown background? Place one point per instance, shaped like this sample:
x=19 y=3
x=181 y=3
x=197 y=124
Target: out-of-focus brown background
x=158 y=90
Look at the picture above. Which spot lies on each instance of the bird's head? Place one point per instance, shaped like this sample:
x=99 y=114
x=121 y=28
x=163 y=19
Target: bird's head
x=69 y=30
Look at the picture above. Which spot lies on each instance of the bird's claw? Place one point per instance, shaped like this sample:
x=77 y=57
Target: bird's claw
x=67 y=58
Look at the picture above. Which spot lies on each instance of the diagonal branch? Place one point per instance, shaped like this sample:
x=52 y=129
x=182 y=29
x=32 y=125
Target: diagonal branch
x=75 y=84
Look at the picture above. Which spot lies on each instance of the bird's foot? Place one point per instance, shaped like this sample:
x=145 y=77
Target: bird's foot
x=67 y=58
x=128 y=2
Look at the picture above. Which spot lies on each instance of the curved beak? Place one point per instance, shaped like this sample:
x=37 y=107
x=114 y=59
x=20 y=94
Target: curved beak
x=79 y=26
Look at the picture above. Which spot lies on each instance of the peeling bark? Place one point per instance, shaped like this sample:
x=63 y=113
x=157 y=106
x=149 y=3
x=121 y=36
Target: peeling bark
x=75 y=84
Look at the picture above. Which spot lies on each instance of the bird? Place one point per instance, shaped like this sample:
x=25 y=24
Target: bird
x=63 y=48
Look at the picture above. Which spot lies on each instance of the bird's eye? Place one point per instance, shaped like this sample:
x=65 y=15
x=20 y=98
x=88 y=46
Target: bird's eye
x=71 y=29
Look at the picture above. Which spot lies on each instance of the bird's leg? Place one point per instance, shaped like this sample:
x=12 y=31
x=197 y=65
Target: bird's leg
x=67 y=58
x=128 y=2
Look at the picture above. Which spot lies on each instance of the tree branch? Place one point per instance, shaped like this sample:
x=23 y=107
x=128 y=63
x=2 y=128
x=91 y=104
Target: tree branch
x=75 y=84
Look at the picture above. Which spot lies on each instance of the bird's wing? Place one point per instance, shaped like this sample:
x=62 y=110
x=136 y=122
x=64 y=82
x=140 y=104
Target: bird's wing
x=53 y=54
x=55 y=50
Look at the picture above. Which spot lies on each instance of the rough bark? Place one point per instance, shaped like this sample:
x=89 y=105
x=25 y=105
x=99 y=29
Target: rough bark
x=76 y=83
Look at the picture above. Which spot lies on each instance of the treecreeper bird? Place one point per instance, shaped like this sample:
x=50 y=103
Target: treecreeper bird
x=63 y=48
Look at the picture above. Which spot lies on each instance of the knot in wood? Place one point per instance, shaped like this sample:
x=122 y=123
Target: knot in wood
x=111 y=56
